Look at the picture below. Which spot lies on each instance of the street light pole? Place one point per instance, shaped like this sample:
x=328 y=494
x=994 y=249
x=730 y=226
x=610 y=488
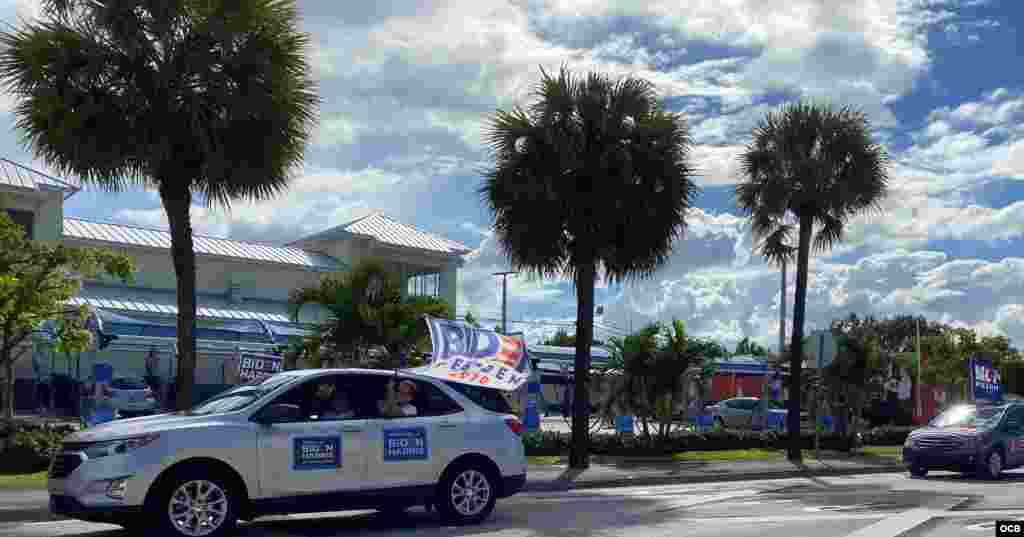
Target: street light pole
x=504 y=299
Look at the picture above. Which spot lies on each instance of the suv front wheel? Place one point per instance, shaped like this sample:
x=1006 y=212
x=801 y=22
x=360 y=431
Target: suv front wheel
x=466 y=494
x=194 y=502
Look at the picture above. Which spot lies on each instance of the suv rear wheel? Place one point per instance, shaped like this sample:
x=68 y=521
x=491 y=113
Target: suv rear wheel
x=992 y=466
x=195 y=502
x=466 y=494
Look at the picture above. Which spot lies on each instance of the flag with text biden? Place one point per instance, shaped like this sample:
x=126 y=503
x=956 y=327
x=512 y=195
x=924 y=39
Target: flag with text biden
x=469 y=355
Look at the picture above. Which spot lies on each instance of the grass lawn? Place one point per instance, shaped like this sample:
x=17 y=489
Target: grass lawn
x=890 y=452
x=23 y=481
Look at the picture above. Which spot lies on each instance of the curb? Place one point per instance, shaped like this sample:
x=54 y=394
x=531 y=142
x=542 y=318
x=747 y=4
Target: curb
x=558 y=486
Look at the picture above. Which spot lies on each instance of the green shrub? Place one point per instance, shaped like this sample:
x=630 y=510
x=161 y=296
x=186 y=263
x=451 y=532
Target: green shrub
x=553 y=443
x=29 y=445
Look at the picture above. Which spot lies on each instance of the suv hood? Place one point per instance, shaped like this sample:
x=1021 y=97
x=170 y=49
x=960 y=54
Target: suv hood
x=138 y=426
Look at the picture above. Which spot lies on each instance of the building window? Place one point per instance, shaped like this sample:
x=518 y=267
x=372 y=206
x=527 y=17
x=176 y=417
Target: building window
x=25 y=219
x=425 y=285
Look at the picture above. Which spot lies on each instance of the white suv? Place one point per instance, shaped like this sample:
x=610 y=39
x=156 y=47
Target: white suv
x=270 y=447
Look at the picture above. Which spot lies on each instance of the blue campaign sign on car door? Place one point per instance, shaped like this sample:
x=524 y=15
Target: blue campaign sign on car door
x=316 y=453
x=406 y=444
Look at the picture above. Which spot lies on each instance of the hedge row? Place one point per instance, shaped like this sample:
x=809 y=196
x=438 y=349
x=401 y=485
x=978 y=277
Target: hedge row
x=553 y=443
x=29 y=445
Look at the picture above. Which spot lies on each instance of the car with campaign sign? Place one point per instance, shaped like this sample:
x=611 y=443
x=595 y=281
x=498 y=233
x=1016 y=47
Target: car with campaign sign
x=296 y=442
x=982 y=439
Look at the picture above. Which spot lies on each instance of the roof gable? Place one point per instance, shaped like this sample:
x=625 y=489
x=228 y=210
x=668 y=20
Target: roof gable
x=20 y=176
x=386 y=230
x=75 y=228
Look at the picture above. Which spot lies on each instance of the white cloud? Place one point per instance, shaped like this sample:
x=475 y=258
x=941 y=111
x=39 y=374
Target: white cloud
x=1013 y=164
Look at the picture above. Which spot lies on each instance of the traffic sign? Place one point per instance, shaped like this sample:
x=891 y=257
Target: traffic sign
x=820 y=349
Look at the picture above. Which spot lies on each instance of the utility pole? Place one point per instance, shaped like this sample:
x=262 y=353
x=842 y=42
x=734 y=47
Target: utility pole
x=919 y=403
x=504 y=299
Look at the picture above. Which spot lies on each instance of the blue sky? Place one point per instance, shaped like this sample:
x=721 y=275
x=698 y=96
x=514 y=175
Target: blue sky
x=407 y=85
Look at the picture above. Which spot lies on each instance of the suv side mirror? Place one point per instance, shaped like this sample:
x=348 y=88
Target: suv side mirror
x=279 y=413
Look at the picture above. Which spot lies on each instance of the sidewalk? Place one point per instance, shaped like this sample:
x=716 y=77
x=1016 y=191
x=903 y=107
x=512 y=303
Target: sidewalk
x=610 y=472
x=32 y=505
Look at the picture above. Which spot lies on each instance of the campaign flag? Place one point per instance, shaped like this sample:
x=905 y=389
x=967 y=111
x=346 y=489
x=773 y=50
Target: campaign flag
x=463 y=353
x=987 y=385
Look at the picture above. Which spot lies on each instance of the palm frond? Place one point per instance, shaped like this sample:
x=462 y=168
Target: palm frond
x=212 y=97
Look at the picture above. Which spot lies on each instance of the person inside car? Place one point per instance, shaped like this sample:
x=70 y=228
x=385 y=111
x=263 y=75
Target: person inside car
x=399 y=404
x=331 y=403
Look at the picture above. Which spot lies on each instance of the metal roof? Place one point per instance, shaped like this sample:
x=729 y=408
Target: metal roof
x=569 y=353
x=386 y=230
x=75 y=228
x=140 y=306
x=21 y=176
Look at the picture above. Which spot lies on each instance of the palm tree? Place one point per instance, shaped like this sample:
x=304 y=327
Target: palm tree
x=366 y=311
x=595 y=174
x=204 y=98
x=822 y=167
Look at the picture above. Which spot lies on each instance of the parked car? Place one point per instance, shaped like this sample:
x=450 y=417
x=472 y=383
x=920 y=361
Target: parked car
x=131 y=396
x=983 y=440
x=279 y=445
x=127 y=396
x=739 y=412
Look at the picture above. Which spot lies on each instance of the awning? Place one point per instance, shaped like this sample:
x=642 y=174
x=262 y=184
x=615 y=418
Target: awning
x=113 y=324
x=149 y=307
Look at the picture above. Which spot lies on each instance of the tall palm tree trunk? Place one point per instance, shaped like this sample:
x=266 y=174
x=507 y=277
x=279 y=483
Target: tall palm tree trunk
x=796 y=346
x=579 y=454
x=177 y=200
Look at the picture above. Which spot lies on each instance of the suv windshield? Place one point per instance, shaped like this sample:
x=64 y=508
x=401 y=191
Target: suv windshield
x=489 y=398
x=969 y=416
x=241 y=396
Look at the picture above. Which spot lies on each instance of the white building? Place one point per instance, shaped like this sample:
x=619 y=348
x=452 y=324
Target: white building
x=242 y=287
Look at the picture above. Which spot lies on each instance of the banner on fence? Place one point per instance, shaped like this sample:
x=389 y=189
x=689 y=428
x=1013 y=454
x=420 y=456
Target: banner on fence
x=462 y=353
x=253 y=366
x=985 y=380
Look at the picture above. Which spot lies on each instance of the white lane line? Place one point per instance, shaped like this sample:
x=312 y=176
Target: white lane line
x=802 y=517
x=700 y=500
x=50 y=523
x=894 y=526
x=634 y=491
x=997 y=514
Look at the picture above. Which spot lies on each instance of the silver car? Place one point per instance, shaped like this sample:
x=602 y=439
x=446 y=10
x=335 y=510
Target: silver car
x=132 y=396
x=739 y=412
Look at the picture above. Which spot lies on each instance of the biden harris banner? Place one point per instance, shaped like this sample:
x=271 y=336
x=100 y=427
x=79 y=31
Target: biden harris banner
x=475 y=356
x=985 y=380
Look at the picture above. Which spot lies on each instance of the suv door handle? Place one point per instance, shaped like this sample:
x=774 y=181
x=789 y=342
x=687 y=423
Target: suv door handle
x=447 y=425
x=351 y=429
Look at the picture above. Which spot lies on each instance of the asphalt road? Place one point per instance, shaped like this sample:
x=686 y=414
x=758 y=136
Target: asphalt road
x=881 y=505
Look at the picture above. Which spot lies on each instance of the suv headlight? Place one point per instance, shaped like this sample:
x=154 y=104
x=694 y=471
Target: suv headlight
x=119 y=447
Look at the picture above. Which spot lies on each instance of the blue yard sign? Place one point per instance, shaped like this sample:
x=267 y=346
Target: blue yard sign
x=985 y=380
x=624 y=425
x=406 y=444
x=316 y=453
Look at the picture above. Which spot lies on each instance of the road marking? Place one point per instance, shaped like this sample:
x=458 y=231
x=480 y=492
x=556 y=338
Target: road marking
x=802 y=517
x=53 y=523
x=896 y=525
x=998 y=514
x=706 y=499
